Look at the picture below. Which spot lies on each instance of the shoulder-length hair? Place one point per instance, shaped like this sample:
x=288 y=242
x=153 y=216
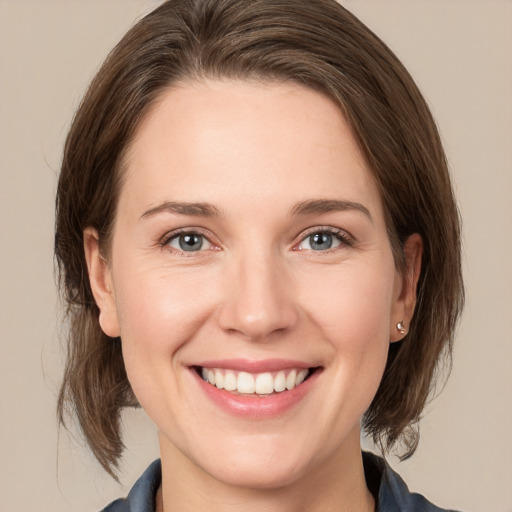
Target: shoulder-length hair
x=316 y=43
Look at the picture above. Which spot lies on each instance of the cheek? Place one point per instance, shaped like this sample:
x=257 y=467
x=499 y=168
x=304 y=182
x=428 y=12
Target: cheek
x=355 y=302
x=158 y=315
x=158 y=311
x=352 y=312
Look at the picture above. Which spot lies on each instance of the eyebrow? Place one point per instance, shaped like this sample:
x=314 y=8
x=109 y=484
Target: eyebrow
x=180 y=208
x=328 y=205
x=308 y=207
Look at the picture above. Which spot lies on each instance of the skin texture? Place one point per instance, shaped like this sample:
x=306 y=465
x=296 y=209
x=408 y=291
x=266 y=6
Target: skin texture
x=256 y=290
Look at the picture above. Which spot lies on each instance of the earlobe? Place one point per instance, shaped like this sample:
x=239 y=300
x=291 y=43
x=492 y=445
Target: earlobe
x=101 y=283
x=406 y=299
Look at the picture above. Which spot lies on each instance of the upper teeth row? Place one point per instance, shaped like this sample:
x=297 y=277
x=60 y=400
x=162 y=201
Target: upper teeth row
x=260 y=383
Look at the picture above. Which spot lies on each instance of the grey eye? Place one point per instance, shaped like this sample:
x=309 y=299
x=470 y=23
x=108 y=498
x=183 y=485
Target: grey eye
x=320 y=241
x=189 y=242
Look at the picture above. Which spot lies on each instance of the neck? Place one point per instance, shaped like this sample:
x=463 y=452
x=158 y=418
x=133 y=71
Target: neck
x=334 y=485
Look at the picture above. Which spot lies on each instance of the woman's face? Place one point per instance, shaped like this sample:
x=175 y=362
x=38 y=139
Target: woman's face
x=250 y=249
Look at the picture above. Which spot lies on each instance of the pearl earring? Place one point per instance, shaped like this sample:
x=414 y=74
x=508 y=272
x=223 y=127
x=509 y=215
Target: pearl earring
x=400 y=327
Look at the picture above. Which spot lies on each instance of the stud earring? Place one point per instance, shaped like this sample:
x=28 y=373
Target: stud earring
x=400 y=327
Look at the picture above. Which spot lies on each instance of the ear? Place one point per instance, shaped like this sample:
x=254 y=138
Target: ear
x=101 y=282
x=405 y=300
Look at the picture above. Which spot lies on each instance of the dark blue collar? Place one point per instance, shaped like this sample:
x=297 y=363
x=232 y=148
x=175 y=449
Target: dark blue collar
x=391 y=493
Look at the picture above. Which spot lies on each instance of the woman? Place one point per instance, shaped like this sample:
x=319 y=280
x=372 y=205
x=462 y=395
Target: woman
x=259 y=245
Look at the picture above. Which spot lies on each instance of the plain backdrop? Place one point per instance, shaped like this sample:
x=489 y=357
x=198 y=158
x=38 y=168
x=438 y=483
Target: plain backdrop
x=460 y=53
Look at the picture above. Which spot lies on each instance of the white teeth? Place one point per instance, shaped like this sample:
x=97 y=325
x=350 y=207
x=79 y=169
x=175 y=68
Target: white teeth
x=280 y=382
x=247 y=383
x=230 y=381
x=219 y=379
x=300 y=377
x=290 y=380
x=264 y=384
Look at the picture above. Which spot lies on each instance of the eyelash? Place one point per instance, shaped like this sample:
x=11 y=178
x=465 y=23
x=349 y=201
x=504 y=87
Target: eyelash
x=342 y=236
x=168 y=237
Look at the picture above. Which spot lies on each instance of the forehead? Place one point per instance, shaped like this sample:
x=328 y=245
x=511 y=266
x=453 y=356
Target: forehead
x=206 y=140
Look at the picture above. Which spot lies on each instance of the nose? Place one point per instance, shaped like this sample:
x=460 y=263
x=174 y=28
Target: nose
x=258 y=298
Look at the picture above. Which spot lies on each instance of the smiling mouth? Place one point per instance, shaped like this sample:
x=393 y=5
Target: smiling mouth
x=255 y=384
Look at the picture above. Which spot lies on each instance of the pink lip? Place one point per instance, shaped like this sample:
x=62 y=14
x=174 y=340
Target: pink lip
x=250 y=366
x=255 y=407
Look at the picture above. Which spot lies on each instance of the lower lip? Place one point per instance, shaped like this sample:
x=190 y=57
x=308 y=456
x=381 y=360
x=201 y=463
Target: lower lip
x=257 y=407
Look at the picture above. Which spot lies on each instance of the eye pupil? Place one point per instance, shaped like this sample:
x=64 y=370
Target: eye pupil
x=191 y=242
x=320 y=241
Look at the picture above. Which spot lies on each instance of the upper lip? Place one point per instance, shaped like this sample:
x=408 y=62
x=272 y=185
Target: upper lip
x=252 y=366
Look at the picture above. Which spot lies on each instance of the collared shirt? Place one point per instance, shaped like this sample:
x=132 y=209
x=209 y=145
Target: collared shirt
x=390 y=491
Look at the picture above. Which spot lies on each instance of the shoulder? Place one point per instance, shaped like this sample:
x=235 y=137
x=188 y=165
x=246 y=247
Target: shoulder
x=393 y=494
x=141 y=497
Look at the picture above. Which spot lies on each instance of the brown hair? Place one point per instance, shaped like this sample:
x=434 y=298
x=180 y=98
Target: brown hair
x=316 y=43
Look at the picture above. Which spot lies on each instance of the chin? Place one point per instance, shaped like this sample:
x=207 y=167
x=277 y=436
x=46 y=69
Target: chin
x=257 y=461
x=259 y=474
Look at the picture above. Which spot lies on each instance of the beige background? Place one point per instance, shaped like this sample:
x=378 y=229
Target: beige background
x=460 y=53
